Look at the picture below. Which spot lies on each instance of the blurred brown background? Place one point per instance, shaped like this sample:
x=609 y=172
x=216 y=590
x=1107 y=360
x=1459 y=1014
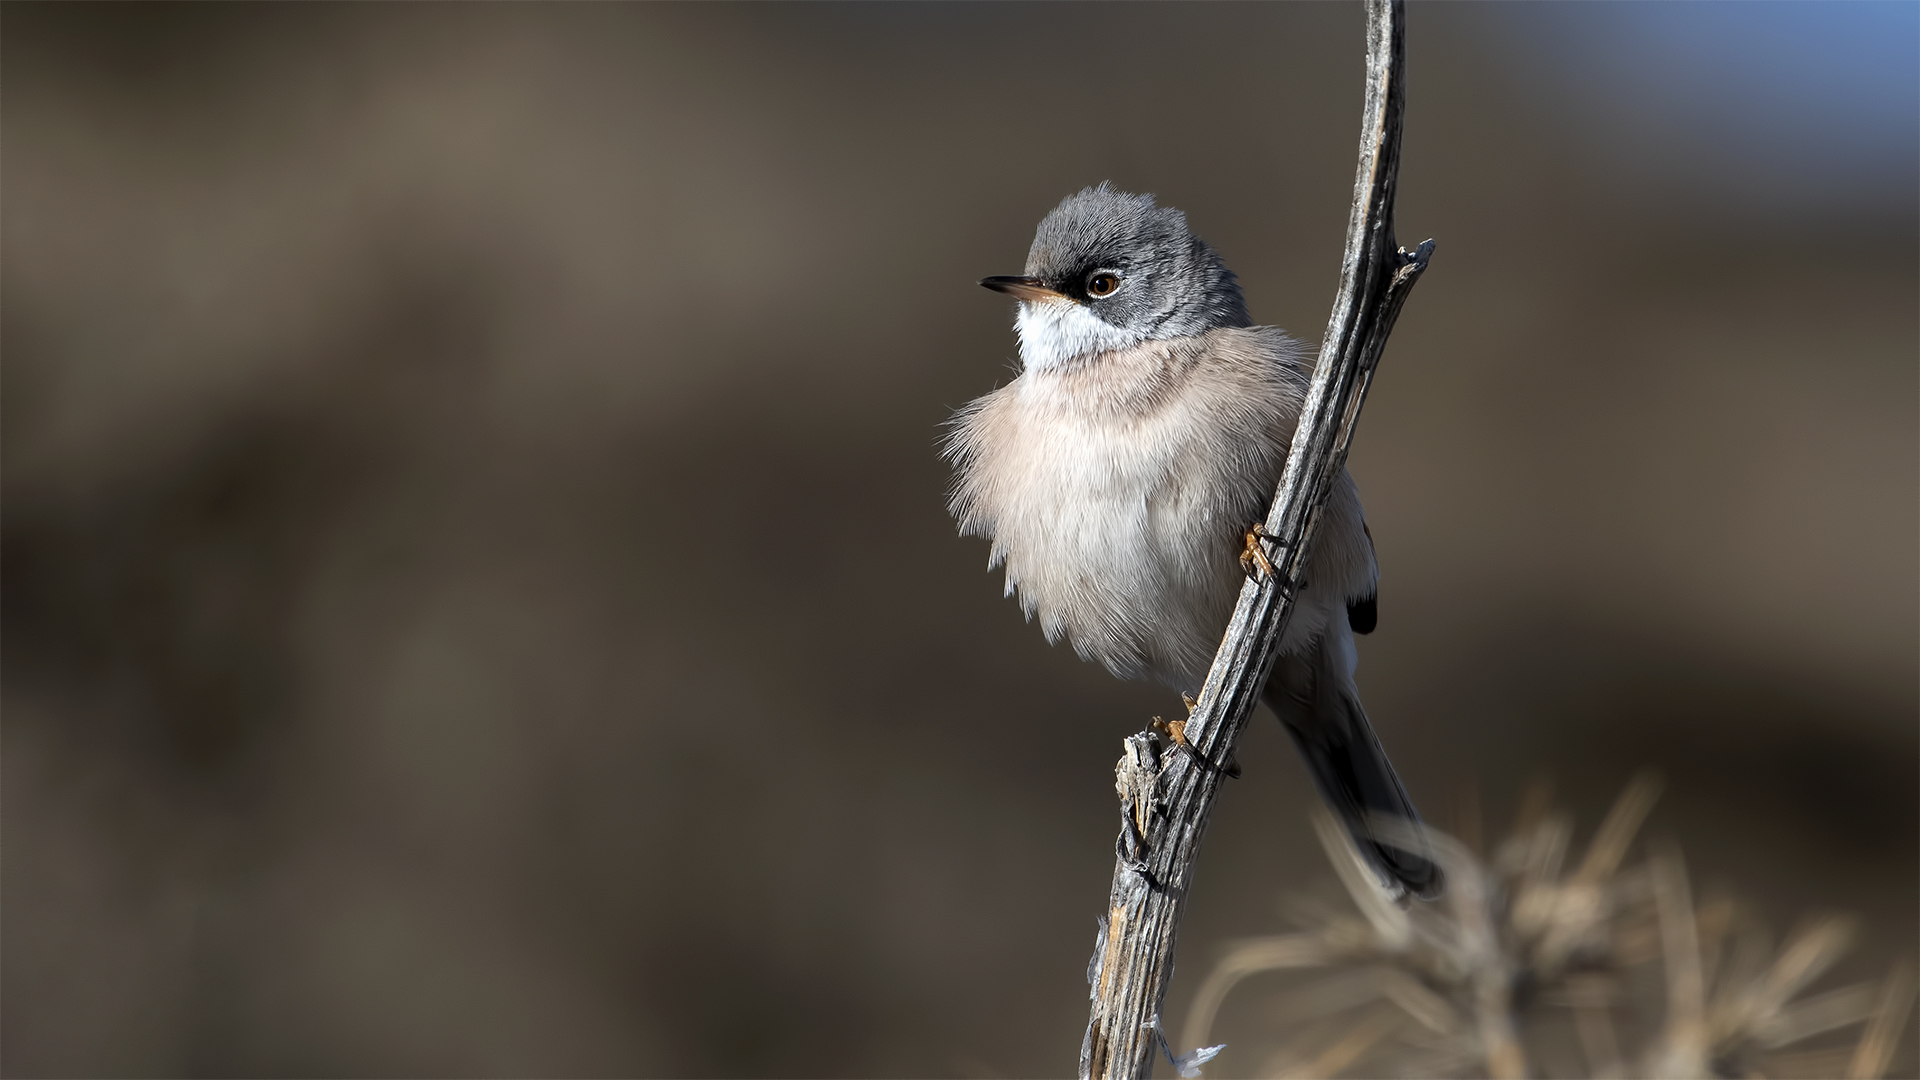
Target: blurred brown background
x=478 y=597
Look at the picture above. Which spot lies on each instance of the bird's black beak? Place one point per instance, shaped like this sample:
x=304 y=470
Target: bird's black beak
x=1029 y=289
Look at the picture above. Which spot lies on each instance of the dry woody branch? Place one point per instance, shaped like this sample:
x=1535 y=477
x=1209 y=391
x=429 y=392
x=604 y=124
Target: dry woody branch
x=1167 y=786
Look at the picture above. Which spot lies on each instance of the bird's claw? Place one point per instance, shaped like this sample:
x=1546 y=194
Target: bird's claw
x=1254 y=556
x=1176 y=732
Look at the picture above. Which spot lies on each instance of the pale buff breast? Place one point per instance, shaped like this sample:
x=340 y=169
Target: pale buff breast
x=1116 y=493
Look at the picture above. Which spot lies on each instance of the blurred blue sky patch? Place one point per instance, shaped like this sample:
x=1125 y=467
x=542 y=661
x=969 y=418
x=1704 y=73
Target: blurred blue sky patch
x=1754 y=105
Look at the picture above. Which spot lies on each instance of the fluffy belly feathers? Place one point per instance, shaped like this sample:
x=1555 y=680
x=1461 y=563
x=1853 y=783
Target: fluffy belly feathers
x=1116 y=494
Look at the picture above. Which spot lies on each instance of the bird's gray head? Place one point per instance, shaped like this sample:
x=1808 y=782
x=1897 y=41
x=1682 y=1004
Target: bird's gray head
x=1109 y=270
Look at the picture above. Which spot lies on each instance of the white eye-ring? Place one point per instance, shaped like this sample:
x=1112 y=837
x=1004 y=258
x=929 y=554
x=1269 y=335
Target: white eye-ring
x=1102 y=283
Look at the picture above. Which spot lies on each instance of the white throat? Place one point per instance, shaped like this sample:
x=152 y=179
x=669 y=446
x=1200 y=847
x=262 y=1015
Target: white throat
x=1055 y=333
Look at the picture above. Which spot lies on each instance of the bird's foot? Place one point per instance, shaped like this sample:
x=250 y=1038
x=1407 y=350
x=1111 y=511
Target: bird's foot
x=1253 y=556
x=1176 y=731
x=1255 y=563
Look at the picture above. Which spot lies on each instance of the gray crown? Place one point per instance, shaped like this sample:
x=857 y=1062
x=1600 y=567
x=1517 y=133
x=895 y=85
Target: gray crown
x=1172 y=283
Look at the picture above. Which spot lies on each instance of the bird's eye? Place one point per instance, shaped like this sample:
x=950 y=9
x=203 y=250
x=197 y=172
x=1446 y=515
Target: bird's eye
x=1103 y=283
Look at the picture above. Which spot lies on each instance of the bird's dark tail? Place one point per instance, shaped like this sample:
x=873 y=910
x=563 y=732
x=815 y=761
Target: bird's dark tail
x=1317 y=702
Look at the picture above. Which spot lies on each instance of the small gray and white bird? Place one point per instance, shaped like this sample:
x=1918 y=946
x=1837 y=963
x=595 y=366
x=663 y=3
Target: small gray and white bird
x=1117 y=475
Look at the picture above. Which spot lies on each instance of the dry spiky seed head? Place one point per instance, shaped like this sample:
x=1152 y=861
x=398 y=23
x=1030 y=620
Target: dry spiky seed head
x=1613 y=956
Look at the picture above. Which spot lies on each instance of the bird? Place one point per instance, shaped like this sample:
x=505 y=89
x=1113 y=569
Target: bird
x=1116 y=474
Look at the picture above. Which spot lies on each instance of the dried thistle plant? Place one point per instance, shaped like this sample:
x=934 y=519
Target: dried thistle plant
x=1529 y=965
